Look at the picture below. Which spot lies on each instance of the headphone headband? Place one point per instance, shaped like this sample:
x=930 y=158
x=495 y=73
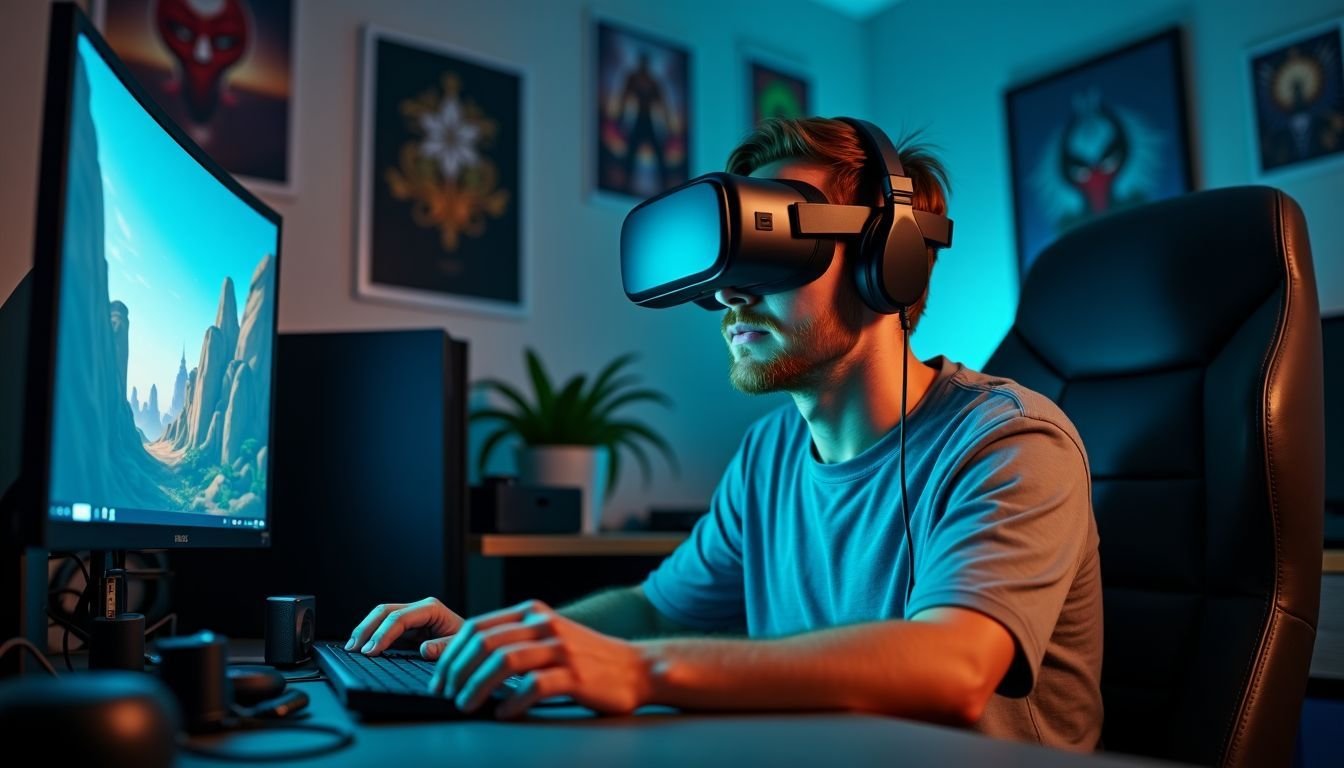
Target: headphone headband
x=891 y=269
x=880 y=150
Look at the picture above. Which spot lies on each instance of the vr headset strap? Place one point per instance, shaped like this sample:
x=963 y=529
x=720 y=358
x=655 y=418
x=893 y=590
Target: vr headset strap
x=825 y=220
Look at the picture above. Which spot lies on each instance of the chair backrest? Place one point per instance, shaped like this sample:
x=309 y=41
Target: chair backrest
x=1183 y=339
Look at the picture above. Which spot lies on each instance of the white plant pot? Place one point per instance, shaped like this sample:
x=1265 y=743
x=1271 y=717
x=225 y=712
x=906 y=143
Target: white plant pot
x=569 y=466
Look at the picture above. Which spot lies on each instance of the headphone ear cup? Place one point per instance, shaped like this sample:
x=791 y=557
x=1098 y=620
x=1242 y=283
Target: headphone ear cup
x=905 y=269
x=869 y=263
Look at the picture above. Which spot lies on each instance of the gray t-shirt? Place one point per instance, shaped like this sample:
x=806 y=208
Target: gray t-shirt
x=1001 y=516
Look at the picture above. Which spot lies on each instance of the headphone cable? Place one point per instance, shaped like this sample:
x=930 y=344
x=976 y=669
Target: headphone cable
x=905 y=505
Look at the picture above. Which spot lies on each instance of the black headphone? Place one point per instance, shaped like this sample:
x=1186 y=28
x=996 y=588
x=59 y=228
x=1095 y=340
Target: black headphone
x=891 y=270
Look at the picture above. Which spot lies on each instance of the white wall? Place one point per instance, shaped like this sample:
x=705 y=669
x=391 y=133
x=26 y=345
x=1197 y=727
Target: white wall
x=958 y=57
x=579 y=317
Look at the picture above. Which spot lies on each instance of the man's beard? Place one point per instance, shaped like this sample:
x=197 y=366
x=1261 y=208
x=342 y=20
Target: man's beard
x=808 y=351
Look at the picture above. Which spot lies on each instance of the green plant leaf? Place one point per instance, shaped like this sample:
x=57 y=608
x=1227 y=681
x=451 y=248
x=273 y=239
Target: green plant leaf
x=589 y=412
x=494 y=413
x=645 y=469
x=612 y=387
x=604 y=377
x=507 y=390
x=488 y=447
x=566 y=422
x=541 y=383
x=635 y=396
x=577 y=414
x=620 y=429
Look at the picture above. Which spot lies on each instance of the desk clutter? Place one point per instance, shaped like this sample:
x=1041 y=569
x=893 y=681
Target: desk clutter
x=147 y=712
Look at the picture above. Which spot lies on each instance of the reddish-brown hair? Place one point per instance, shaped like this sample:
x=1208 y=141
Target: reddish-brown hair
x=835 y=145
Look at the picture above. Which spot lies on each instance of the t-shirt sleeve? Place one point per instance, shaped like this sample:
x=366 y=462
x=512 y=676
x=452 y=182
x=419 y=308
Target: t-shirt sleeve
x=1011 y=537
x=700 y=584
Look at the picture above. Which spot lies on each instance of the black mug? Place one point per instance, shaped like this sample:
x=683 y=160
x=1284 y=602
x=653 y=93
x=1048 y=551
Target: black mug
x=118 y=643
x=194 y=667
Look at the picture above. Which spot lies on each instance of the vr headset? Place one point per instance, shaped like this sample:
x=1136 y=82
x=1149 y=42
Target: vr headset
x=722 y=230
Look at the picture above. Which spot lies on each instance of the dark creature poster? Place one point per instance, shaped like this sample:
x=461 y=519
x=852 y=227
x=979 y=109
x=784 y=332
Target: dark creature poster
x=1299 y=99
x=1096 y=138
x=643 y=112
x=440 y=170
x=221 y=69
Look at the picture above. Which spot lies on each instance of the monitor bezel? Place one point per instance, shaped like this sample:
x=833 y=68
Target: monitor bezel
x=68 y=22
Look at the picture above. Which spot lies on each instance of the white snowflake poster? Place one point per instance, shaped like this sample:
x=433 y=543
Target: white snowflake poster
x=440 y=164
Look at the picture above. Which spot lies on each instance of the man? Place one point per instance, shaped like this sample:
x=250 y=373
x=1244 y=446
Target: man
x=804 y=545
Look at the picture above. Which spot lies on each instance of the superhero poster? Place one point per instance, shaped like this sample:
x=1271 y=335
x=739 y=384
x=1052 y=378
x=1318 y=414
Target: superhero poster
x=642 y=112
x=1297 y=86
x=439 y=220
x=1098 y=137
x=221 y=69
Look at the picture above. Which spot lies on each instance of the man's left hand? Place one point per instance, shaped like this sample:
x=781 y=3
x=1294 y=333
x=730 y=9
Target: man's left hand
x=555 y=656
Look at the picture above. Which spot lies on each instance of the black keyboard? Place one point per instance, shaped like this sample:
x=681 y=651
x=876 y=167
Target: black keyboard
x=394 y=685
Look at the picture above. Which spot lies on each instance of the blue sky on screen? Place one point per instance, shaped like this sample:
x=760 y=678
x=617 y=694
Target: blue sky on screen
x=172 y=234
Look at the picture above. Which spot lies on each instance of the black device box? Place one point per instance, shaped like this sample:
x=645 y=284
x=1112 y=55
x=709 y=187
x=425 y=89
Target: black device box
x=500 y=505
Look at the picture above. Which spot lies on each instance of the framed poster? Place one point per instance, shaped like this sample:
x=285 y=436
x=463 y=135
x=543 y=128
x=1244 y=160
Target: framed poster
x=222 y=70
x=1297 y=97
x=1097 y=137
x=440 y=164
x=642 y=93
x=775 y=88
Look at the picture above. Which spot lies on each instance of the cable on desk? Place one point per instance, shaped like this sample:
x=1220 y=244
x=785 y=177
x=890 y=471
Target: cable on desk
x=24 y=644
x=344 y=738
x=170 y=619
x=301 y=675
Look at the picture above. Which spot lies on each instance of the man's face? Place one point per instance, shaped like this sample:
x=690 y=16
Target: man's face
x=789 y=341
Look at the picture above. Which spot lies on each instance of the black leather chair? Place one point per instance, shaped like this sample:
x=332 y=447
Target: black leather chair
x=1183 y=339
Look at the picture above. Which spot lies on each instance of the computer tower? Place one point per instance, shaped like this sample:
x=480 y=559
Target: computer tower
x=370 y=486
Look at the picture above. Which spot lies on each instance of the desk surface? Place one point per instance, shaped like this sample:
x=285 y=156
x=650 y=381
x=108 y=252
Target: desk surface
x=1333 y=562
x=576 y=545
x=657 y=738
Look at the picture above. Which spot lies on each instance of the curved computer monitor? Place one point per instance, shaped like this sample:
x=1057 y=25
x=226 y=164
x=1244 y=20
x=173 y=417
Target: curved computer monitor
x=147 y=413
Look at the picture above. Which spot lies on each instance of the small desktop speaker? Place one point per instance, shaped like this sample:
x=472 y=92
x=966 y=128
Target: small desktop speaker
x=290 y=628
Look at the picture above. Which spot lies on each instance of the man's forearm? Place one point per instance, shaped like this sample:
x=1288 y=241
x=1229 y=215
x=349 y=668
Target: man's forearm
x=905 y=668
x=624 y=612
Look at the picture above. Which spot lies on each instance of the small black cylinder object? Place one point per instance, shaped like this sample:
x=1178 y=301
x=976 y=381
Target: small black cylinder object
x=291 y=625
x=194 y=667
x=118 y=643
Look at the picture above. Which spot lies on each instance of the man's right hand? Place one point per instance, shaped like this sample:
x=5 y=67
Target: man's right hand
x=428 y=621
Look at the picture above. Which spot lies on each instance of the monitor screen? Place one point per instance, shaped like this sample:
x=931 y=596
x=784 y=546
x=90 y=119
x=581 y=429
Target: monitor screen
x=161 y=351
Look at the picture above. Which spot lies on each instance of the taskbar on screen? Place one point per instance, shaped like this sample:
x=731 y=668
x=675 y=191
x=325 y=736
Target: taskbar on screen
x=84 y=512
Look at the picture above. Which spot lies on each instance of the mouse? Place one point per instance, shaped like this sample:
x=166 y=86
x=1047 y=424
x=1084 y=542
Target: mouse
x=255 y=683
x=99 y=717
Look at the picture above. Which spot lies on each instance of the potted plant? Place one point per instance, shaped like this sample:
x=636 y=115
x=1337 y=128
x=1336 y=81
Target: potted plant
x=572 y=435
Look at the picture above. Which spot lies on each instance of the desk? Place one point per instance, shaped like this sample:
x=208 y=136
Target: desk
x=659 y=738
x=575 y=545
x=1333 y=561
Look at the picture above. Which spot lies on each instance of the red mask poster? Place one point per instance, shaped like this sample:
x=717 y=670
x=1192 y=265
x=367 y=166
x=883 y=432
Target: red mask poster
x=221 y=69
